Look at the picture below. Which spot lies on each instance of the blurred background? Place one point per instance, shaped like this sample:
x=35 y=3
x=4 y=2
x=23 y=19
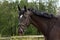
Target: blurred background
x=9 y=14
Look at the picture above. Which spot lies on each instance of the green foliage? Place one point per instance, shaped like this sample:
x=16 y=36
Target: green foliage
x=31 y=30
x=42 y=7
x=52 y=6
x=23 y=2
x=8 y=18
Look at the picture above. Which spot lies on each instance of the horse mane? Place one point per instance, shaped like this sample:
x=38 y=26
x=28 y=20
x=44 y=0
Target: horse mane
x=41 y=14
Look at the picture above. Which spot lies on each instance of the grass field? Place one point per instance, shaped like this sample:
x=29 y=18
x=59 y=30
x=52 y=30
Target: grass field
x=23 y=38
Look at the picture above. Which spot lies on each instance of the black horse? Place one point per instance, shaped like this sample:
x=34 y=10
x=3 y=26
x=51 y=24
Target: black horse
x=49 y=25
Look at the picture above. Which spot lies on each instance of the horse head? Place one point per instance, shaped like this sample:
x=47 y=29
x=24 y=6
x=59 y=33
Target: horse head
x=24 y=19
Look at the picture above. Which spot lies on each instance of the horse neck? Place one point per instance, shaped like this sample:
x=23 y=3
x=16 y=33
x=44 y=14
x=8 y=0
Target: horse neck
x=40 y=23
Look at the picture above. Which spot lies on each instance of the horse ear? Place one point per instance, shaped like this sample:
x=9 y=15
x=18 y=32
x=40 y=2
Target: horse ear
x=25 y=8
x=19 y=8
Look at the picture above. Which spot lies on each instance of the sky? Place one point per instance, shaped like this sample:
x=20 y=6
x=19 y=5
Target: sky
x=59 y=3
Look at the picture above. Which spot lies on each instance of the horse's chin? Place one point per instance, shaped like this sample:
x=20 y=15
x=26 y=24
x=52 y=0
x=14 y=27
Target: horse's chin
x=20 y=31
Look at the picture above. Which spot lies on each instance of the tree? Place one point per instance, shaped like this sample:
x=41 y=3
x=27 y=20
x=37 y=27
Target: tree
x=23 y=2
x=52 y=5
